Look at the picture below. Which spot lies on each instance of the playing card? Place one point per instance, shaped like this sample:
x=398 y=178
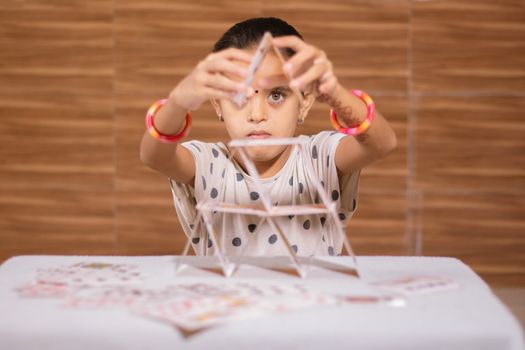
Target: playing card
x=193 y=314
x=43 y=290
x=211 y=305
x=260 y=53
x=89 y=274
x=264 y=47
x=416 y=284
x=390 y=300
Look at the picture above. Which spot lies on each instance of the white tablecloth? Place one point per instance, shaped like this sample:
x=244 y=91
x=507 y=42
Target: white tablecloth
x=468 y=317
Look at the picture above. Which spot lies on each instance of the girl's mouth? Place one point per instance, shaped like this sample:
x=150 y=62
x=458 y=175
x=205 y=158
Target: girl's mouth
x=259 y=135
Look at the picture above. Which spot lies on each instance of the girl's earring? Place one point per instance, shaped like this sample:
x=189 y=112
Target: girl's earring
x=221 y=118
x=300 y=121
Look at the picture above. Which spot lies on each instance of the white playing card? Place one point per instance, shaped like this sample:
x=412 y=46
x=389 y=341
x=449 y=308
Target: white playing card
x=264 y=47
x=416 y=284
x=101 y=297
x=260 y=53
x=90 y=274
x=122 y=296
x=213 y=305
x=43 y=290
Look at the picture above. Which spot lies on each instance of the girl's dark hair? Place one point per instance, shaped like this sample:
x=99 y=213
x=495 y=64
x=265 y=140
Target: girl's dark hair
x=248 y=33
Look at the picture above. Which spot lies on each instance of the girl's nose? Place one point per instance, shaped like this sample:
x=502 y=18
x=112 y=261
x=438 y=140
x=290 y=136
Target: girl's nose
x=258 y=112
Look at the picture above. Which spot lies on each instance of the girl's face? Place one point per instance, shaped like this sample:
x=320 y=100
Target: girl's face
x=271 y=112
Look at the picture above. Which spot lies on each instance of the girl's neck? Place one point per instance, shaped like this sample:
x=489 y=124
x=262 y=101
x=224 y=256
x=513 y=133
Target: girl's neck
x=271 y=167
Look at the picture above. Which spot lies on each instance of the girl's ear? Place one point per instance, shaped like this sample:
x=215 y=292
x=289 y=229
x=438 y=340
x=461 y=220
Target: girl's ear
x=306 y=105
x=217 y=107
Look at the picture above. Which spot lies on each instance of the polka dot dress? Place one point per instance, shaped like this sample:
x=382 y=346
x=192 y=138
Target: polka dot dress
x=223 y=180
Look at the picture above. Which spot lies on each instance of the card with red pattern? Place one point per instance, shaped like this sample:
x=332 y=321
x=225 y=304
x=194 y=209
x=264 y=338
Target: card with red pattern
x=90 y=274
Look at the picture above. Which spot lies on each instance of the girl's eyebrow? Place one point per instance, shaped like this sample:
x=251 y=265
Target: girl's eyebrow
x=282 y=88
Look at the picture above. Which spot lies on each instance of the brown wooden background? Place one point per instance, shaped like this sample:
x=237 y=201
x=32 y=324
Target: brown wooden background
x=76 y=78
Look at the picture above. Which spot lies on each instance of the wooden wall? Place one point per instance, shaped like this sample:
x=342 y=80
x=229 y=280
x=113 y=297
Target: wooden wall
x=76 y=78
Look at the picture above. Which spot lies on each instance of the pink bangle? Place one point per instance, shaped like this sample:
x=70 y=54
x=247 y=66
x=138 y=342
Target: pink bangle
x=361 y=128
x=152 y=111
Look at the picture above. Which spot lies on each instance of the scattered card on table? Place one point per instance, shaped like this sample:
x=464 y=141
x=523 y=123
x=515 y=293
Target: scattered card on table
x=43 y=290
x=89 y=274
x=416 y=284
x=212 y=304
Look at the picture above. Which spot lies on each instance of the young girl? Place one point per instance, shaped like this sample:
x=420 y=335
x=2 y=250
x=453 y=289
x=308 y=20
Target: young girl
x=201 y=171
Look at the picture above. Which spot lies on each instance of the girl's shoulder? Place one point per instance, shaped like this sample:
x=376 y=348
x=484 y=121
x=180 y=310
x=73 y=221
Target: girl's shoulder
x=326 y=136
x=197 y=145
x=323 y=140
x=206 y=149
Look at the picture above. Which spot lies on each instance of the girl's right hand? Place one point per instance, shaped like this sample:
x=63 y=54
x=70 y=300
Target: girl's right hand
x=219 y=76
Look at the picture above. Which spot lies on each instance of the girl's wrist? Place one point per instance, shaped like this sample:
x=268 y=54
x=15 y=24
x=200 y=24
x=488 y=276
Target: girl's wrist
x=170 y=117
x=174 y=100
x=349 y=109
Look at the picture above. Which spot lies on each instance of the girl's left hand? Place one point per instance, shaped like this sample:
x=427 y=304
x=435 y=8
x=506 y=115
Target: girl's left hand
x=309 y=69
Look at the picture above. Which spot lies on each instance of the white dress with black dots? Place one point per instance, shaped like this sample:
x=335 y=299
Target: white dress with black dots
x=218 y=179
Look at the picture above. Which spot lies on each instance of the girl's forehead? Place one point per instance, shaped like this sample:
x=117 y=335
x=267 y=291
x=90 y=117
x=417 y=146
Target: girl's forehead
x=271 y=66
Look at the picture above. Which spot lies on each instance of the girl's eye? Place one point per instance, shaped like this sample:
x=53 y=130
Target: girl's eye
x=276 y=97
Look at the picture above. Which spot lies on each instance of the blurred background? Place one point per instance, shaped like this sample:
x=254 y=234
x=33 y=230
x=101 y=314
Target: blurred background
x=76 y=78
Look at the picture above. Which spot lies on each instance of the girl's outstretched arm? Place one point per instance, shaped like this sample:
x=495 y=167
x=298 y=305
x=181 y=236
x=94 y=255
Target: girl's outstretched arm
x=169 y=159
x=356 y=152
x=212 y=78
x=311 y=70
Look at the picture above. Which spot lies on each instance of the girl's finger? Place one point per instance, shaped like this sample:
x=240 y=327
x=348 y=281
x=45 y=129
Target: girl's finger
x=231 y=54
x=293 y=42
x=326 y=76
x=314 y=73
x=221 y=65
x=328 y=85
x=298 y=63
x=221 y=82
x=218 y=94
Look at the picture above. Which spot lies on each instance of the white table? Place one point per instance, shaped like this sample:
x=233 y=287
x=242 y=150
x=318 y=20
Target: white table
x=468 y=317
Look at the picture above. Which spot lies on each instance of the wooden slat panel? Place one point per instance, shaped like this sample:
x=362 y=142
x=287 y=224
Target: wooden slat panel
x=57 y=161
x=57 y=143
x=154 y=51
x=378 y=227
x=485 y=231
x=62 y=47
x=470 y=145
x=11 y=4
x=469 y=162
x=41 y=221
x=463 y=46
x=147 y=223
x=388 y=176
x=367 y=41
x=56 y=175
x=470 y=170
